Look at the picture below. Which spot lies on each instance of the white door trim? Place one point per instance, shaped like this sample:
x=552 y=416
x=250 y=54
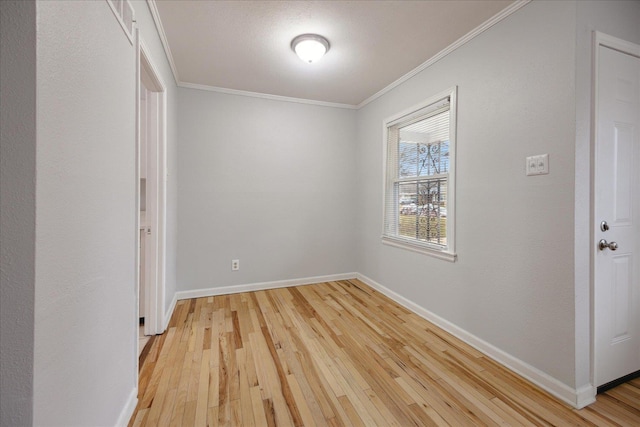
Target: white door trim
x=624 y=46
x=155 y=295
x=605 y=40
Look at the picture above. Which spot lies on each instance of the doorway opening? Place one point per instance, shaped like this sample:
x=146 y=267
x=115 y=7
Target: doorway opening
x=151 y=190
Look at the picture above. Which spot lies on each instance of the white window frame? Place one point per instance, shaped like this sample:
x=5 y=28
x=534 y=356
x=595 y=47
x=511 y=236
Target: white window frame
x=447 y=252
x=125 y=14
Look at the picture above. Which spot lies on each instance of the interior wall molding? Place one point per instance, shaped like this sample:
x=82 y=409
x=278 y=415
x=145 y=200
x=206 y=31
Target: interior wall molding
x=515 y=6
x=266 y=96
x=169 y=313
x=153 y=8
x=129 y=407
x=576 y=398
x=262 y=286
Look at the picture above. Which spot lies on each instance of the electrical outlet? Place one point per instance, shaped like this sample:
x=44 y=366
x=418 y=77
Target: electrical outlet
x=235 y=264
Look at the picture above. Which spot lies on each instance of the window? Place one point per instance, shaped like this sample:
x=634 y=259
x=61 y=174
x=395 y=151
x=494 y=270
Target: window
x=420 y=176
x=123 y=10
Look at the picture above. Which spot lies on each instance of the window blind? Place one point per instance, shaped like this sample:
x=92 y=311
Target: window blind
x=417 y=176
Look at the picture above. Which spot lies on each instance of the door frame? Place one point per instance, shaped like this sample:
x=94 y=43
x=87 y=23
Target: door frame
x=154 y=295
x=623 y=46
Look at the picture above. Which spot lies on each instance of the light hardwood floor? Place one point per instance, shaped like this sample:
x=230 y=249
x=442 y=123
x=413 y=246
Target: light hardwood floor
x=337 y=353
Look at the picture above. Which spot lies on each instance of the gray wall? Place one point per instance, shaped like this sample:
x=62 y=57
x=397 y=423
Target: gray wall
x=512 y=285
x=85 y=302
x=69 y=332
x=267 y=182
x=17 y=209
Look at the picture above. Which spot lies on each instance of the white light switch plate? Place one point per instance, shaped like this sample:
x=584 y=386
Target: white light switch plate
x=537 y=165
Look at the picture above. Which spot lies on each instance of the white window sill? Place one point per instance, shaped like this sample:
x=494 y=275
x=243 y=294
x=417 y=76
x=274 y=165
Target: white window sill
x=419 y=248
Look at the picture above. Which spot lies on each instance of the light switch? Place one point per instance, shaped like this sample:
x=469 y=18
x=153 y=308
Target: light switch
x=543 y=164
x=531 y=166
x=537 y=165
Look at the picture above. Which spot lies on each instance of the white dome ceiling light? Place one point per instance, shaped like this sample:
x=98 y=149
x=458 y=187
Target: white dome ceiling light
x=310 y=47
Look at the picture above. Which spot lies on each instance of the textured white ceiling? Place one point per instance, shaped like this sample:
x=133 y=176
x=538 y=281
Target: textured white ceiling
x=245 y=45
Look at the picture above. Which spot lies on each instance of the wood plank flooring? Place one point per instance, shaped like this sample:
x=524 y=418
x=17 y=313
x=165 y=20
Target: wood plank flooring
x=334 y=354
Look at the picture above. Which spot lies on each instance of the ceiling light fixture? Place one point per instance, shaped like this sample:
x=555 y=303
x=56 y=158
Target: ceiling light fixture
x=310 y=47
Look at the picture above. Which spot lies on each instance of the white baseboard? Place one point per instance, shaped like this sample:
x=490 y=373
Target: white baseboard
x=224 y=290
x=585 y=396
x=576 y=398
x=169 y=313
x=129 y=408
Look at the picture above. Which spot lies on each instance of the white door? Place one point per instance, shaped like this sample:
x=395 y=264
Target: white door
x=617 y=216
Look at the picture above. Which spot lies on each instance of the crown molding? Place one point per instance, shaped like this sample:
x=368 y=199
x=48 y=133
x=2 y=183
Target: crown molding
x=518 y=4
x=163 y=38
x=266 y=96
x=515 y=6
